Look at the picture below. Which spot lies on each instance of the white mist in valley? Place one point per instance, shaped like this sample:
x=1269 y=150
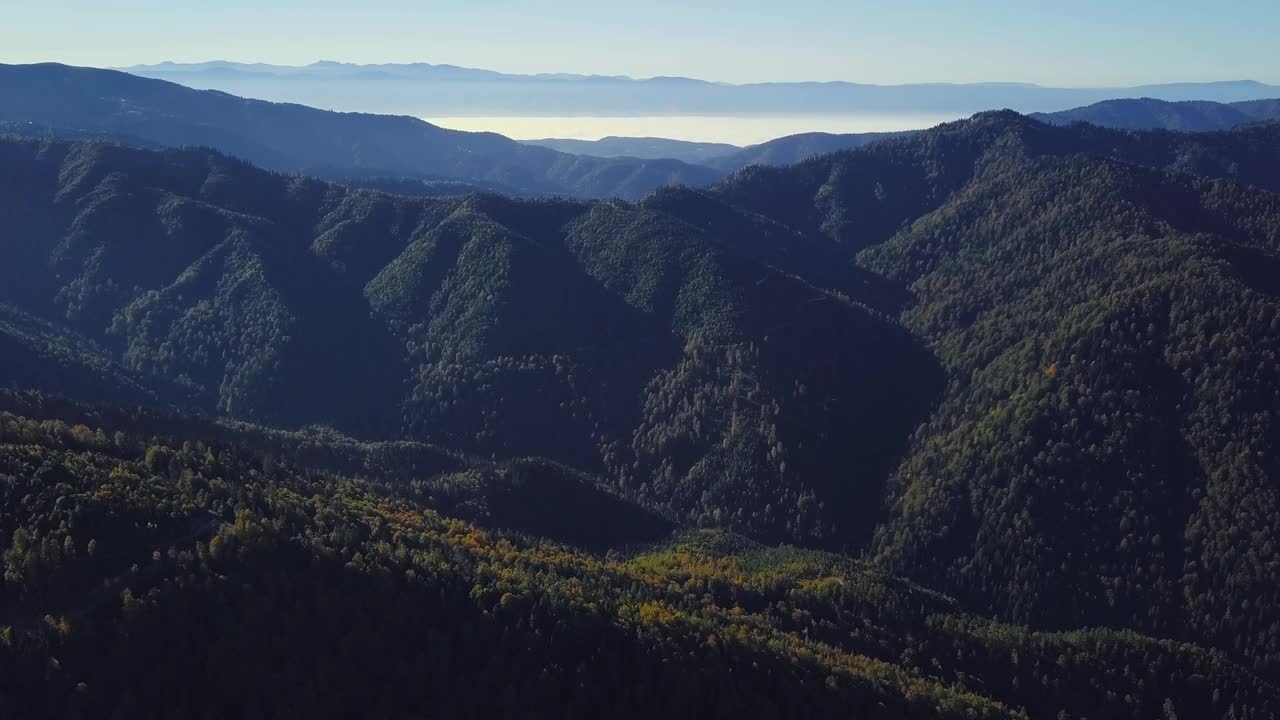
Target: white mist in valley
x=736 y=130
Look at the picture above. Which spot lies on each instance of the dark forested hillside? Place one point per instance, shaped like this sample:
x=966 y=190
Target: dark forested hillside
x=295 y=138
x=672 y=358
x=1031 y=368
x=1106 y=330
x=114 y=544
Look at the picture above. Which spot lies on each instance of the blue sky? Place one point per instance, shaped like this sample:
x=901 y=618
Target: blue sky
x=1079 y=42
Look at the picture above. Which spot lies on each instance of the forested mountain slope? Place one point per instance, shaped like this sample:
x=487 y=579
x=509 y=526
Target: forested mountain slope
x=1107 y=438
x=295 y=138
x=329 y=587
x=622 y=339
x=1032 y=367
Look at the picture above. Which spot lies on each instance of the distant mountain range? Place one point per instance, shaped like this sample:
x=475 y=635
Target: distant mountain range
x=726 y=158
x=794 y=148
x=650 y=148
x=409 y=156
x=294 y=138
x=1152 y=114
x=426 y=90
x=1123 y=114
x=389 y=153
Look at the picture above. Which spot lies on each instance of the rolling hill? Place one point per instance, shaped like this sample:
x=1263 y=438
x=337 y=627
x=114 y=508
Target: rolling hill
x=725 y=158
x=647 y=148
x=795 y=148
x=1150 y=114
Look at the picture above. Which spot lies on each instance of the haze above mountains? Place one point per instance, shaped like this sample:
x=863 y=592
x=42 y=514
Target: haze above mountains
x=404 y=154
x=1124 y=114
x=426 y=90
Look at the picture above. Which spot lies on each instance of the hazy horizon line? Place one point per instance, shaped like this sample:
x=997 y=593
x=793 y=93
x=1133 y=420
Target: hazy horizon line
x=635 y=78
